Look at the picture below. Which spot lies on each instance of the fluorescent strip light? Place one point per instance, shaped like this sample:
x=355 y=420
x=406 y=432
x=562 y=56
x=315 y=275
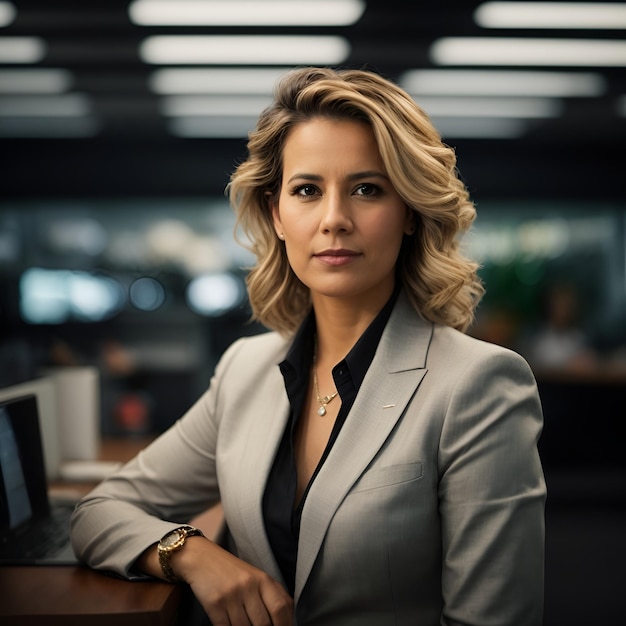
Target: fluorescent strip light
x=490 y=107
x=554 y=15
x=7 y=13
x=482 y=128
x=215 y=80
x=228 y=117
x=236 y=127
x=527 y=51
x=244 y=49
x=246 y=13
x=68 y=105
x=22 y=49
x=502 y=83
x=213 y=105
x=45 y=127
x=35 y=81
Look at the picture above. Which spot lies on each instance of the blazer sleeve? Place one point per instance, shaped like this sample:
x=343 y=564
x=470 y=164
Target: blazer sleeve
x=164 y=486
x=492 y=496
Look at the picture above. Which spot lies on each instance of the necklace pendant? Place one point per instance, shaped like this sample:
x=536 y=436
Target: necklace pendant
x=321 y=411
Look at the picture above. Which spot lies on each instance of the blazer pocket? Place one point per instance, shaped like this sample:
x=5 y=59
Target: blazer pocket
x=391 y=475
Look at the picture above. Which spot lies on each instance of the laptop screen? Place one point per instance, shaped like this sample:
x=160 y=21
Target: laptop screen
x=23 y=487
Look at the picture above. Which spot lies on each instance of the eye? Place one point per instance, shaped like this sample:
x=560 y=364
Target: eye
x=367 y=190
x=305 y=190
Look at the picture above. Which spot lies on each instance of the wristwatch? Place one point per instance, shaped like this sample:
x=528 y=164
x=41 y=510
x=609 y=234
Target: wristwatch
x=172 y=542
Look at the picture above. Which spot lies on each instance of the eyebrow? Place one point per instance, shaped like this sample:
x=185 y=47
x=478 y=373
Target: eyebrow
x=354 y=176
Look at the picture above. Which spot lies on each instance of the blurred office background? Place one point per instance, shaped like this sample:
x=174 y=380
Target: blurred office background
x=120 y=123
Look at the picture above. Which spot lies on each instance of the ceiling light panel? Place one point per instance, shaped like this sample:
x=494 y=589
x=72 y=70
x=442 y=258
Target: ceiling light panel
x=22 y=49
x=215 y=80
x=214 y=105
x=490 y=107
x=528 y=52
x=233 y=127
x=48 y=127
x=66 y=105
x=35 y=80
x=246 y=13
x=553 y=15
x=481 y=128
x=7 y=13
x=502 y=83
x=244 y=49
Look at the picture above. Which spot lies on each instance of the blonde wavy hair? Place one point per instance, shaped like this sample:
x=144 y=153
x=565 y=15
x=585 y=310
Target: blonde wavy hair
x=441 y=283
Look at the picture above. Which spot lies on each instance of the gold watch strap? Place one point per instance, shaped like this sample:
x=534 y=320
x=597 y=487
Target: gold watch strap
x=165 y=554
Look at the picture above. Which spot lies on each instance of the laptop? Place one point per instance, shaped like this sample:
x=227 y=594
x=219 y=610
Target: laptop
x=45 y=390
x=33 y=530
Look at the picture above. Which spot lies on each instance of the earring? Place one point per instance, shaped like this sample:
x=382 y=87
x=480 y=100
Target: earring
x=281 y=235
x=412 y=226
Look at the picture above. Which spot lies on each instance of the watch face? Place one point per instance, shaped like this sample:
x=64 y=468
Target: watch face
x=171 y=539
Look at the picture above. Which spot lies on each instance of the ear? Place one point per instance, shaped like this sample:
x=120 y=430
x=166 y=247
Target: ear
x=410 y=221
x=273 y=205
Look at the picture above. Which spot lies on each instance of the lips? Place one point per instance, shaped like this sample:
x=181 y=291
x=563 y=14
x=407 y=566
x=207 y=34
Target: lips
x=336 y=256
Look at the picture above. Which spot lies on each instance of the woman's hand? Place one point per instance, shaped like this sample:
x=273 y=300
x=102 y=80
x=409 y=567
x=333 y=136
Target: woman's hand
x=232 y=592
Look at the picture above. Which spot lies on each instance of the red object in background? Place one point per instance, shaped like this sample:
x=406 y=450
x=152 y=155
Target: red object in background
x=132 y=413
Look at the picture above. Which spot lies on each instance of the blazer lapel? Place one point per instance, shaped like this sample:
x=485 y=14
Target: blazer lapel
x=263 y=436
x=389 y=384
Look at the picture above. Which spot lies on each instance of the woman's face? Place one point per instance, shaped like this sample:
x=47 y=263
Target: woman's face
x=341 y=218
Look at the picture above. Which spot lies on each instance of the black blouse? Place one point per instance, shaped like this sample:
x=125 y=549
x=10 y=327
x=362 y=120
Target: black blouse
x=282 y=517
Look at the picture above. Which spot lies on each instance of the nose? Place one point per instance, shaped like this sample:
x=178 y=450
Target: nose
x=336 y=214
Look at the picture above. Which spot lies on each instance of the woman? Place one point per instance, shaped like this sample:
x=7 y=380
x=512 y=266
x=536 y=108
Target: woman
x=376 y=465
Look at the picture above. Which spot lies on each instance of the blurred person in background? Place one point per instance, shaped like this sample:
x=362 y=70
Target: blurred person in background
x=559 y=342
x=376 y=465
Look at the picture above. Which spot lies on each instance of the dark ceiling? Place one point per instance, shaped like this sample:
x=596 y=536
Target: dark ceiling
x=580 y=154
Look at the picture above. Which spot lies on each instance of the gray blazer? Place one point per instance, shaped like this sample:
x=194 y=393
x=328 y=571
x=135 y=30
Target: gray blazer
x=428 y=511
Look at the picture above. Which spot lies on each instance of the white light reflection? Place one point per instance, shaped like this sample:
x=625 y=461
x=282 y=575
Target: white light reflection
x=57 y=296
x=214 y=294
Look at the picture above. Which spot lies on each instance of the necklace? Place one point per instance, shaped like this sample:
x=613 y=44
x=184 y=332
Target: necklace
x=324 y=400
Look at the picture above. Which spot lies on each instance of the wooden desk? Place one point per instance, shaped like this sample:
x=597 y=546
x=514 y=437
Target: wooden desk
x=78 y=596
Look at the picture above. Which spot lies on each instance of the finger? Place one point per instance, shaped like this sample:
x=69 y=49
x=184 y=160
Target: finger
x=238 y=616
x=257 y=613
x=226 y=615
x=279 y=605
